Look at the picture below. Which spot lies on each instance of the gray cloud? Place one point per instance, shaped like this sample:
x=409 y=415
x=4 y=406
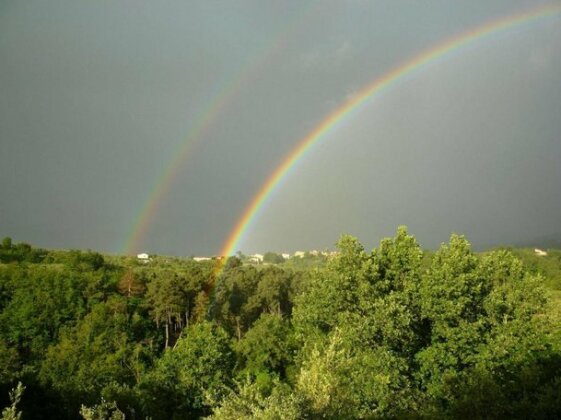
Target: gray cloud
x=97 y=98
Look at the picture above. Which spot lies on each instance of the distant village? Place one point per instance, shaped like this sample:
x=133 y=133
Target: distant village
x=270 y=257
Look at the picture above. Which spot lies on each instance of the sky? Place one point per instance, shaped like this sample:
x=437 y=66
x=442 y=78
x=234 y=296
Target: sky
x=99 y=99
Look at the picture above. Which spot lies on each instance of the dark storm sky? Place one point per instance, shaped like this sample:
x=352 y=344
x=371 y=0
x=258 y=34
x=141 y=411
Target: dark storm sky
x=96 y=98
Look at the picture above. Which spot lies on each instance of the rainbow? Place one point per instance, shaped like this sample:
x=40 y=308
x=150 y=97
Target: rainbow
x=202 y=125
x=164 y=183
x=379 y=85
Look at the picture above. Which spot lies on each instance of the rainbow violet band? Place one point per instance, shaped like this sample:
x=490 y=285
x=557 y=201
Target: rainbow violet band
x=382 y=83
x=204 y=122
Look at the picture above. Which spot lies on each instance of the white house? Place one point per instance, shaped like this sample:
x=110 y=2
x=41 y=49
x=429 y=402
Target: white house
x=540 y=253
x=286 y=256
x=144 y=257
x=202 y=259
x=299 y=254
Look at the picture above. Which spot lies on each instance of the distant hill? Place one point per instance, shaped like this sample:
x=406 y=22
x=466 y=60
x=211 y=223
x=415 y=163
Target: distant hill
x=543 y=242
x=549 y=241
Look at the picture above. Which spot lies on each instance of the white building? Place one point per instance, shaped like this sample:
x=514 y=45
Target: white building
x=286 y=256
x=144 y=257
x=255 y=258
x=202 y=259
x=299 y=254
x=540 y=253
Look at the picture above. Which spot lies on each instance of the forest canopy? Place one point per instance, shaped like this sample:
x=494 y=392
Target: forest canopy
x=391 y=333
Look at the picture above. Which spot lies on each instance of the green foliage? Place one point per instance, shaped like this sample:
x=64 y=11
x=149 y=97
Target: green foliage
x=265 y=352
x=392 y=333
x=231 y=301
x=332 y=293
x=381 y=337
x=232 y=263
x=248 y=402
x=274 y=291
x=86 y=260
x=273 y=258
x=307 y=262
x=42 y=301
x=244 y=293
x=9 y=363
x=11 y=412
x=486 y=329
x=131 y=285
x=7 y=243
x=195 y=371
x=548 y=266
x=21 y=252
x=102 y=411
x=94 y=354
x=173 y=299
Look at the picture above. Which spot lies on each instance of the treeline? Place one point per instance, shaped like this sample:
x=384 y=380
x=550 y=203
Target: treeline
x=392 y=333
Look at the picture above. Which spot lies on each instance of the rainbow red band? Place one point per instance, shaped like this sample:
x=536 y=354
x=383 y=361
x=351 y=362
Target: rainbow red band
x=380 y=84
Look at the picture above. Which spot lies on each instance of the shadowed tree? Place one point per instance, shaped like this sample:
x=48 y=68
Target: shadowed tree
x=7 y=243
x=232 y=306
x=176 y=299
x=266 y=351
x=197 y=370
x=130 y=285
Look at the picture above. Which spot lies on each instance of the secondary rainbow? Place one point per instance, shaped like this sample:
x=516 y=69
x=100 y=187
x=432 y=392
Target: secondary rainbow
x=163 y=184
x=203 y=123
x=377 y=86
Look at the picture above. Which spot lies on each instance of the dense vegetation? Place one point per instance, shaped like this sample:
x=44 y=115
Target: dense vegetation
x=392 y=333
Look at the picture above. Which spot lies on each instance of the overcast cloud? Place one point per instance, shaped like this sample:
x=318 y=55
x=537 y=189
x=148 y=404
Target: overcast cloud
x=96 y=98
